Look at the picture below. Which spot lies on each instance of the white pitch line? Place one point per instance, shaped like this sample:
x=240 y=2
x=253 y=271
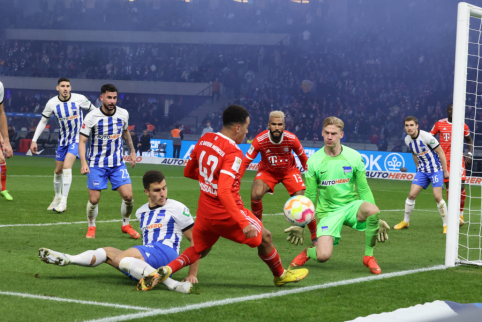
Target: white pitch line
x=58 y=299
x=228 y=301
x=118 y=220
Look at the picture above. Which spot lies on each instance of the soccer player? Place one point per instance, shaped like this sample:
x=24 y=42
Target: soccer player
x=444 y=128
x=277 y=165
x=4 y=126
x=215 y=162
x=337 y=174
x=66 y=108
x=3 y=172
x=163 y=222
x=431 y=168
x=108 y=125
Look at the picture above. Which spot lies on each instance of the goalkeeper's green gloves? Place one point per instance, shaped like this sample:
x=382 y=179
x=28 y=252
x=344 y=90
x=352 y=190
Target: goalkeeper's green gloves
x=382 y=231
x=295 y=235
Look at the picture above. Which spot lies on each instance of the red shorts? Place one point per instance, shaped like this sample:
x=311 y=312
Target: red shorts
x=463 y=167
x=206 y=231
x=291 y=180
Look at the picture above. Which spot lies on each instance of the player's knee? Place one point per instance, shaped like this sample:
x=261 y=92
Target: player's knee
x=373 y=210
x=322 y=257
x=93 y=200
x=411 y=196
x=266 y=237
x=128 y=198
x=205 y=252
x=58 y=171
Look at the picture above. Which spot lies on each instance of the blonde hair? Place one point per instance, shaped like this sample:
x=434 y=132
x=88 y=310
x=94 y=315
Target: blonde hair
x=277 y=114
x=333 y=120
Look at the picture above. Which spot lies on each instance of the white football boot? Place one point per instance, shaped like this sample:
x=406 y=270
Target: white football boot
x=54 y=203
x=183 y=287
x=61 y=207
x=52 y=257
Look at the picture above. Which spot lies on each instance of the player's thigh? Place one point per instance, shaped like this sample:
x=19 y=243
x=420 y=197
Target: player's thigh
x=126 y=192
x=366 y=210
x=71 y=156
x=293 y=182
x=331 y=225
x=119 y=176
x=203 y=235
x=111 y=254
x=419 y=182
x=260 y=187
x=97 y=178
x=230 y=229
x=59 y=165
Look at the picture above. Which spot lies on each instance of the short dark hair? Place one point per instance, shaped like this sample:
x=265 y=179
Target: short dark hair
x=108 y=88
x=450 y=105
x=152 y=176
x=177 y=126
x=63 y=79
x=235 y=114
x=411 y=118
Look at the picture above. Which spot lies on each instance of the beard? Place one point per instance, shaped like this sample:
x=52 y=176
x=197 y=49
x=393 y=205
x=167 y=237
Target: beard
x=109 y=107
x=272 y=133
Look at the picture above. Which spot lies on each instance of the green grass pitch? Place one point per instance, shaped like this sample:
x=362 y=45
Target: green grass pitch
x=230 y=270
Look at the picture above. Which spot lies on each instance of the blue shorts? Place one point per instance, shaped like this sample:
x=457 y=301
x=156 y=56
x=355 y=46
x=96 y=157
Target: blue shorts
x=63 y=150
x=97 y=177
x=157 y=254
x=423 y=179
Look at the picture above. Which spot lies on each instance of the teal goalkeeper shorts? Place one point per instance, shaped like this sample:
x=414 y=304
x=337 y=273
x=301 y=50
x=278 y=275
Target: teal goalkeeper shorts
x=346 y=215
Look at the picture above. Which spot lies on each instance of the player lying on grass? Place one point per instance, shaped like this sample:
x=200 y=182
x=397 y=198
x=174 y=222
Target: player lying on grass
x=444 y=128
x=66 y=107
x=337 y=174
x=431 y=168
x=163 y=222
x=278 y=165
x=3 y=172
x=215 y=163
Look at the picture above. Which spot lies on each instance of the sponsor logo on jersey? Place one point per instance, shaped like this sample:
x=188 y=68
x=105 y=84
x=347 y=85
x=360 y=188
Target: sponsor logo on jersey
x=153 y=226
x=237 y=164
x=83 y=126
x=268 y=151
x=186 y=212
x=69 y=118
x=334 y=182
x=251 y=149
x=107 y=137
x=445 y=129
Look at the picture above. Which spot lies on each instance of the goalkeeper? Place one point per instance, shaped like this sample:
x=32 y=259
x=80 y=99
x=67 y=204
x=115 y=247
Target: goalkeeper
x=337 y=172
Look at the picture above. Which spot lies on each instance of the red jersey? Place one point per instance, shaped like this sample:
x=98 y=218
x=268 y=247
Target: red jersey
x=275 y=157
x=215 y=162
x=444 y=127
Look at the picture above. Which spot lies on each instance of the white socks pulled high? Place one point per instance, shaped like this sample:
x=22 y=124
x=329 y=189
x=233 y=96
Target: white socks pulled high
x=409 y=206
x=67 y=182
x=90 y=258
x=139 y=269
x=92 y=212
x=58 y=185
x=442 y=209
x=126 y=211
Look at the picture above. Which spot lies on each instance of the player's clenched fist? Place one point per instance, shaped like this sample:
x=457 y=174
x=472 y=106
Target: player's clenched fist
x=250 y=232
x=133 y=160
x=33 y=147
x=84 y=169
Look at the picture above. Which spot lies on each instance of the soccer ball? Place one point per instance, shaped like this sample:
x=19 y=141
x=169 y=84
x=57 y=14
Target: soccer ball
x=299 y=210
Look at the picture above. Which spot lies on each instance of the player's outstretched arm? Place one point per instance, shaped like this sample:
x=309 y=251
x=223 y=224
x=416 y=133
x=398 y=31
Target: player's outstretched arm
x=192 y=275
x=130 y=145
x=84 y=167
x=191 y=170
x=248 y=158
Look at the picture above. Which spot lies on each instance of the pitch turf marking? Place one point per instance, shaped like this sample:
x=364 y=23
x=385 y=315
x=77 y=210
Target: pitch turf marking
x=228 y=301
x=119 y=220
x=58 y=299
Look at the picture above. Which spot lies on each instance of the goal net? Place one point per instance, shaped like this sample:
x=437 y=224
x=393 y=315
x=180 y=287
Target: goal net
x=464 y=244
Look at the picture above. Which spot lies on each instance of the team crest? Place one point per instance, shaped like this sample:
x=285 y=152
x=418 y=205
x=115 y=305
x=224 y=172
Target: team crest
x=347 y=169
x=285 y=149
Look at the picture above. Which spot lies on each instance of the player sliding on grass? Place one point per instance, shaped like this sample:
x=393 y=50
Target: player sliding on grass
x=66 y=108
x=163 y=222
x=444 y=128
x=431 y=168
x=215 y=163
x=337 y=174
x=3 y=172
x=277 y=165
x=108 y=125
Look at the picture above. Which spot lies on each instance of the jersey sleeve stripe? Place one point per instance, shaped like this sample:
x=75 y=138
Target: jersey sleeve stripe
x=188 y=227
x=249 y=157
x=84 y=134
x=228 y=173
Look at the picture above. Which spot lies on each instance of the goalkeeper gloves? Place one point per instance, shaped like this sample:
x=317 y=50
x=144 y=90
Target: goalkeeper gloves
x=295 y=235
x=382 y=231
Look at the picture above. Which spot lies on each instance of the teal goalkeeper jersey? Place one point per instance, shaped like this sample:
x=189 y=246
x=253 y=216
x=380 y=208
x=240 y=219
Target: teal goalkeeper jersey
x=339 y=180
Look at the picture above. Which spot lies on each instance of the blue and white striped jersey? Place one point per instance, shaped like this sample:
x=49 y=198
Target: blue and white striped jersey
x=69 y=116
x=106 y=147
x=164 y=224
x=423 y=147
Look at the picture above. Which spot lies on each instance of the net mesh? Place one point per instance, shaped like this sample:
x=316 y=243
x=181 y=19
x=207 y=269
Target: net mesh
x=470 y=235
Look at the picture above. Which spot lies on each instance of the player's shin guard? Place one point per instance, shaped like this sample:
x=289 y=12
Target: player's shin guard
x=442 y=209
x=92 y=212
x=58 y=185
x=3 y=177
x=188 y=257
x=274 y=262
x=257 y=208
x=371 y=233
x=90 y=258
x=66 y=183
x=409 y=206
x=135 y=267
x=312 y=227
x=126 y=211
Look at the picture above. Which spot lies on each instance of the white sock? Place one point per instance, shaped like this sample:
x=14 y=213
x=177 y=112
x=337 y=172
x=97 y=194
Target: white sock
x=409 y=206
x=58 y=185
x=442 y=209
x=126 y=211
x=85 y=259
x=67 y=182
x=92 y=212
x=139 y=269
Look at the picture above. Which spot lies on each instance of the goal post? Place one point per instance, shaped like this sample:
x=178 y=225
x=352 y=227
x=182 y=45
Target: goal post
x=468 y=56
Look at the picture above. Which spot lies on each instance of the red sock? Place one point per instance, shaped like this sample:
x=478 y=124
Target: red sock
x=3 y=177
x=462 y=200
x=257 y=208
x=447 y=195
x=312 y=227
x=274 y=262
x=188 y=257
